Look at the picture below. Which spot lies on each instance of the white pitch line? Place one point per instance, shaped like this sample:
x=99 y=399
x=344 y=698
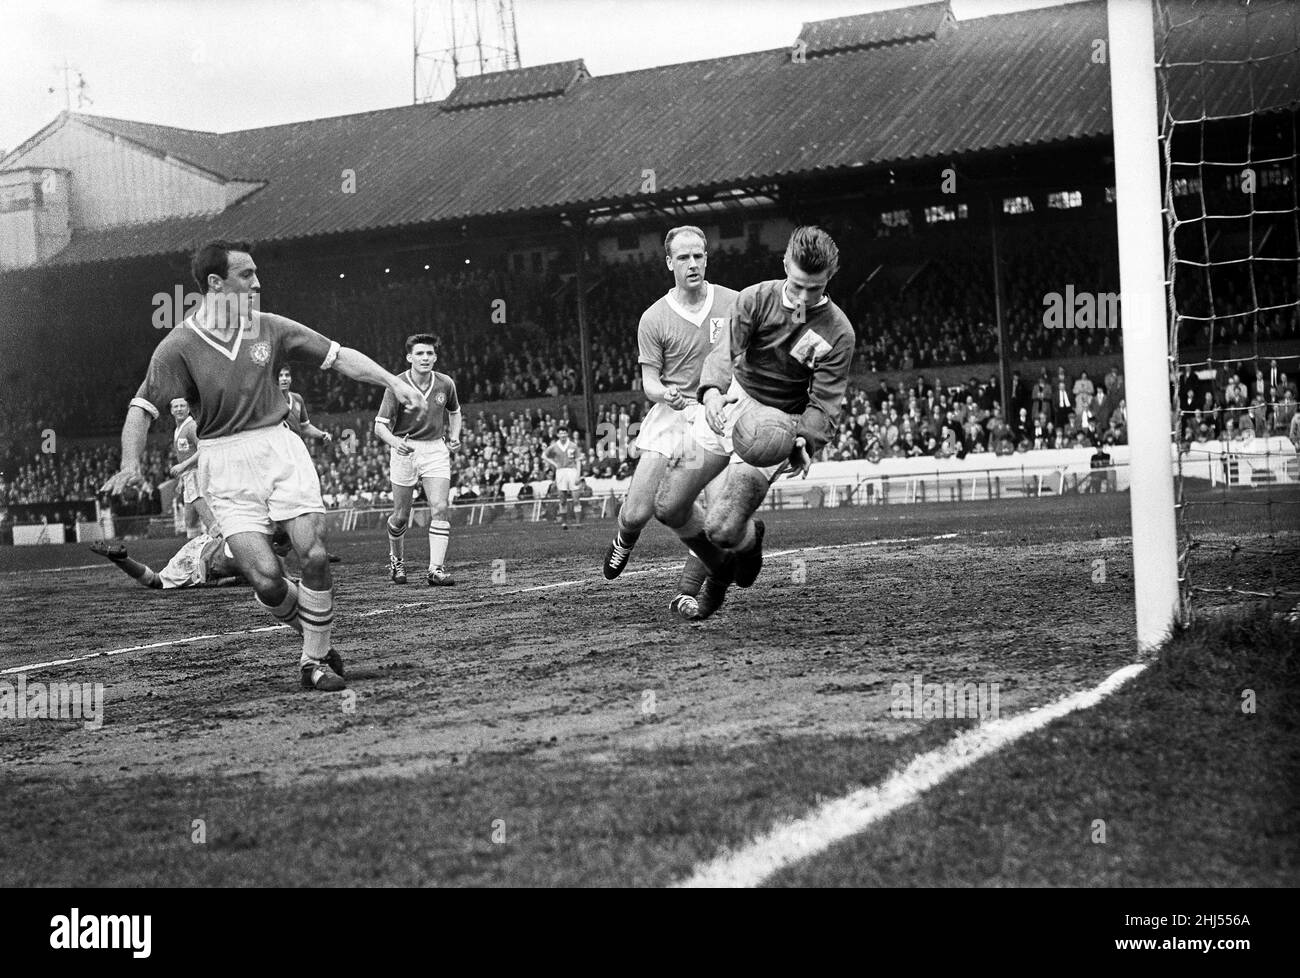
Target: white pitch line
x=415 y=604
x=52 y=570
x=135 y=648
x=793 y=841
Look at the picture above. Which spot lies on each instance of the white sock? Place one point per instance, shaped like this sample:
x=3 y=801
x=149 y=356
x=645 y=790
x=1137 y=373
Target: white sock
x=316 y=612
x=439 y=537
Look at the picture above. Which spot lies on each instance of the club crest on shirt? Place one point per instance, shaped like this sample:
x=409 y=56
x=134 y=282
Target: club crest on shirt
x=715 y=327
x=182 y=444
x=260 y=353
x=810 y=348
x=440 y=398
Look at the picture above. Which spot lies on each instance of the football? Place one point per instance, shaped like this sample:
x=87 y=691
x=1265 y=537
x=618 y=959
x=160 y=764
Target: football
x=763 y=435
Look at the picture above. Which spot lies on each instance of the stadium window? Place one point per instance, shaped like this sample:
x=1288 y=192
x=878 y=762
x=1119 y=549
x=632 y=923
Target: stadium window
x=1017 y=205
x=896 y=219
x=629 y=241
x=1110 y=195
x=733 y=228
x=537 y=263
x=1064 y=200
x=941 y=213
x=517 y=260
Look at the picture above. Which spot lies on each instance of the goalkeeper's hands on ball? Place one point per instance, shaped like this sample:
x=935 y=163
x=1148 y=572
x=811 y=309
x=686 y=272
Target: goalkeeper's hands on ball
x=800 y=459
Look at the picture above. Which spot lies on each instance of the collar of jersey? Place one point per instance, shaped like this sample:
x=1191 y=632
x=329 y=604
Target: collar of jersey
x=696 y=318
x=790 y=305
x=433 y=377
x=229 y=352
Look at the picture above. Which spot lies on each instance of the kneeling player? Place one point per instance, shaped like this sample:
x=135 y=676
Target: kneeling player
x=420 y=453
x=790 y=349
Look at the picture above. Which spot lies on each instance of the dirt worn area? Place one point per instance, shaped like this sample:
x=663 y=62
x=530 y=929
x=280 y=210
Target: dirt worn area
x=554 y=662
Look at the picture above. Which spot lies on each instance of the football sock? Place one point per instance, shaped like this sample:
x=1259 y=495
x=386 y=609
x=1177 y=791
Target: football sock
x=287 y=610
x=693 y=573
x=626 y=538
x=692 y=534
x=748 y=539
x=147 y=576
x=439 y=537
x=316 y=612
x=396 y=541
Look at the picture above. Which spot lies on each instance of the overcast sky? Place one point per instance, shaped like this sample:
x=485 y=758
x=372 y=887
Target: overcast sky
x=219 y=65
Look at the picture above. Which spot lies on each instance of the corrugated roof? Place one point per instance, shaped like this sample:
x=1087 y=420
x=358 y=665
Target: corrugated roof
x=201 y=149
x=540 y=81
x=987 y=84
x=920 y=23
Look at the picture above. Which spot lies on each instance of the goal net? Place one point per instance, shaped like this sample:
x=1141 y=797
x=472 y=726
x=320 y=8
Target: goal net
x=1226 y=74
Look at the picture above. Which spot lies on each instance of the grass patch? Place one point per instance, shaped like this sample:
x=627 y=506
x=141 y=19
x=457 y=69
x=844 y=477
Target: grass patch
x=1193 y=790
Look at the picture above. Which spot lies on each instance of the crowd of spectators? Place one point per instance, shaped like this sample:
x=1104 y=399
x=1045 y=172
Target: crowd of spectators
x=511 y=333
x=1237 y=403
x=923 y=417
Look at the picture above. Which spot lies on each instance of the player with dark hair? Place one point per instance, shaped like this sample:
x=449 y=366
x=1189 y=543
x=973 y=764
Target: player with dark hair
x=422 y=441
x=298 y=420
x=790 y=348
x=562 y=456
x=185 y=442
x=252 y=469
x=673 y=338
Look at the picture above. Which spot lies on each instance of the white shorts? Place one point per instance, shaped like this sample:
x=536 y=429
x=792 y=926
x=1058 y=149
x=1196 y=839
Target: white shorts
x=716 y=444
x=430 y=460
x=667 y=432
x=187 y=568
x=255 y=478
x=566 y=480
x=188 y=487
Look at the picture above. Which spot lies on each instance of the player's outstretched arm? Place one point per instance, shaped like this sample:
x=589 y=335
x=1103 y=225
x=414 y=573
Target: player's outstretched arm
x=135 y=434
x=356 y=365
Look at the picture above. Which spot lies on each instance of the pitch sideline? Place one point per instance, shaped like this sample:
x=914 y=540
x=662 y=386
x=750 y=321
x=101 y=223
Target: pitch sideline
x=793 y=841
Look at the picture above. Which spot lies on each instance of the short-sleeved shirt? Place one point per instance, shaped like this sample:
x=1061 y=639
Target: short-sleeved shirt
x=297 y=416
x=427 y=423
x=676 y=340
x=185 y=440
x=232 y=382
x=564 y=456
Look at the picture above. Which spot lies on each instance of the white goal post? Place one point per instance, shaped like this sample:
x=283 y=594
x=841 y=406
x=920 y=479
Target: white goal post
x=1135 y=115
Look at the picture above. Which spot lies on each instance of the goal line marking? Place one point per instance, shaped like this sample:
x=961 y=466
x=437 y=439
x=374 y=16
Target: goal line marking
x=792 y=841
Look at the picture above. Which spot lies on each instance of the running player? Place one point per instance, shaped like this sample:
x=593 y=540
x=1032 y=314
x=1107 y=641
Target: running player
x=253 y=471
x=422 y=442
x=562 y=456
x=185 y=442
x=674 y=336
x=790 y=348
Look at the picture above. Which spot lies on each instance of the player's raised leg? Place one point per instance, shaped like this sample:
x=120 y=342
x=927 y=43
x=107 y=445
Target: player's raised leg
x=677 y=508
x=729 y=522
x=436 y=490
x=132 y=568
